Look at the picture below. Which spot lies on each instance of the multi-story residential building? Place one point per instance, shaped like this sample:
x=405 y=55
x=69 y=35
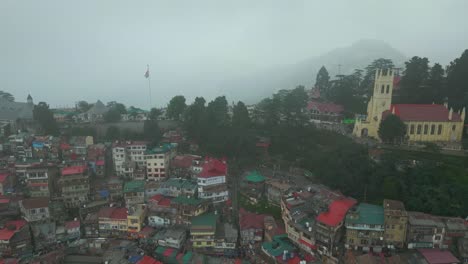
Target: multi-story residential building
x=455 y=229
x=124 y=153
x=203 y=230
x=115 y=187
x=35 y=209
x=212 y=181
x=330 y=224
x=226 y=239
x=113 y=222
x=134 y=192
x=275 y=189
x=157 y=163
x=314 y=218
x=160 y=212
x=15 y=239
x=182 y=166
x=396 y=222
x=40 y=179
x=136 y=218
x=176 y=187
x=74 y=186
x=188 y=207
x=424 y=231
x=173 y=237
x=251 y=227
x=365 y=228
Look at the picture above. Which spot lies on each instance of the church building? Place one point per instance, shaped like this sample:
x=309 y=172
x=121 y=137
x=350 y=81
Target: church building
x=425 y=122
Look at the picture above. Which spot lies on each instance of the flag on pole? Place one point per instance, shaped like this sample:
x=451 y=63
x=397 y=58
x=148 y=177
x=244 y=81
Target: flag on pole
x=147 y=73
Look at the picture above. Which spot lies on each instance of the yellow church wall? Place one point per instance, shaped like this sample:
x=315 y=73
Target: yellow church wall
x=447 y=132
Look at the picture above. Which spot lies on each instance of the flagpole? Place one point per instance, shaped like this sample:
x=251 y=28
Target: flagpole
x=149 y=87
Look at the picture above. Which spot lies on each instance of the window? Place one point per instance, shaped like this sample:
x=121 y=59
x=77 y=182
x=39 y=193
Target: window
x=33 y=211
x=42 y=210
x=382 y=89
x=388 y=89
x=412 y=129
x=439 y=131
x=432 y=129
x=454 y=127
x=198 y=243
x=419 y=130
x=426 y=128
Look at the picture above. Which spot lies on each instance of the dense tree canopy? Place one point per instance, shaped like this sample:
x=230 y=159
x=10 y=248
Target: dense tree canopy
x=322 y=81
x=83 y=106
x=176 y=107
x=457 y=82
x=154 y=114
x=392 y=129
x=7 y=96
x=413 y=86
x=45 y=118
x=119 y=107
x=240 y=116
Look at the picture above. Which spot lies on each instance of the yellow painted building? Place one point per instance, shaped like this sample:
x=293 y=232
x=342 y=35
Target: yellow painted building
x=424 y=122
x=396 y=223
x=136 y=218
x=203 y=230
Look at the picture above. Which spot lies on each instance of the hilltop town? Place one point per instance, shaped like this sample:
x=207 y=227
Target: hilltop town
x=300 y=177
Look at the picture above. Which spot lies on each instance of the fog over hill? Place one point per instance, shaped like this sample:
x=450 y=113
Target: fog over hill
x=342 y=60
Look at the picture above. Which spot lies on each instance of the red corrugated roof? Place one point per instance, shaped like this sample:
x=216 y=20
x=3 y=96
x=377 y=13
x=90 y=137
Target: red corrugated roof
x=6 y=234
x=325 y=107
x=148 y=260
x=119 y=213
x=422 y=112
x=72 y=224
x=213 y=168
x=165 y=202
x=100 y=163
x=168 y=252
x=3 y=177
x=437 y=256
x=65 y=146
x=157 y=197
x=73 y=170
x=248 y=220
x=336 y=212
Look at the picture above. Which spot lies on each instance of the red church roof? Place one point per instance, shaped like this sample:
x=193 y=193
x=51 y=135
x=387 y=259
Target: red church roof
x=213 y=168
x=437 y=256
x=336 y=212
x=422 y=112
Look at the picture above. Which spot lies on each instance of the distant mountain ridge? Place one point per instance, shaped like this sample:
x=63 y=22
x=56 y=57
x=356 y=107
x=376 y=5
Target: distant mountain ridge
x=343 y=60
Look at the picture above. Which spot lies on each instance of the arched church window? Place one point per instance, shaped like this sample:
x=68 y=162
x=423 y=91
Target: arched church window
x=388 y=89
x=382 y=89
x=432 y=129
x=439 y=130
x=419 y=130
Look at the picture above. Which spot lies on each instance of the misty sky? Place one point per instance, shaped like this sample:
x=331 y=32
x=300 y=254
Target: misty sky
x=64 y=51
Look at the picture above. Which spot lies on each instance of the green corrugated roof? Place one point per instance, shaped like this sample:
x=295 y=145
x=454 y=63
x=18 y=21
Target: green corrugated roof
x=366 y=214
x=159 y=250
x=134 y=186
x=208 y=219
x=181 y=183
x=160 y=149
x=185 y=200
x=255 y=177
x=187 y=257
x=281 y=243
